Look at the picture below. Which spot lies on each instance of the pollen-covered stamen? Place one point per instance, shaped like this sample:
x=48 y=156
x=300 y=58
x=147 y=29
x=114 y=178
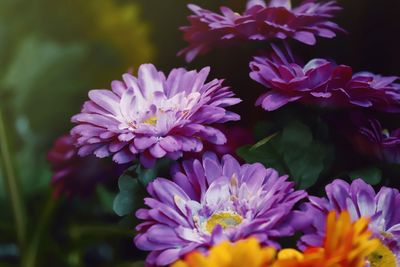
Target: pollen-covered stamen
x=234 y=187
x=225 y=219
x=151 y=120
x=196 y=221
x=386 y=234
x=382 y=257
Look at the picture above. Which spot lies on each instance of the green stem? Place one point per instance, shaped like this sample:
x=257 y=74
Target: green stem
x=42 y=224
x=12 y=185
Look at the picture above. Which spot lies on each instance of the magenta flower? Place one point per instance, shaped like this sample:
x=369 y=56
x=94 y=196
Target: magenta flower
x=77 y=176
x=370 y=139
x=321 y=82
x=210 y=201
x=360 y=200
x=153 y=116
x=277 y=20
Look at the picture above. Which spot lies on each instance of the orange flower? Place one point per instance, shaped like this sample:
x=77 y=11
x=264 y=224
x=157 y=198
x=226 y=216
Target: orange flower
x=346 y=244
x=244 y=253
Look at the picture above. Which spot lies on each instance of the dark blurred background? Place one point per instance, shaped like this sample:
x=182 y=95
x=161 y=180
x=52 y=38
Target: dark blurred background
x=53 y=52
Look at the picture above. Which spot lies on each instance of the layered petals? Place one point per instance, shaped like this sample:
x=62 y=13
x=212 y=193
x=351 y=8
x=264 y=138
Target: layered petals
x=259 y=22
x=153 y=116
x=321 y=82
x=213 y=200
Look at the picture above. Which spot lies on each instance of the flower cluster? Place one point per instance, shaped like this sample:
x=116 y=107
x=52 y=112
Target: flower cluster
x=153 y=115
x=277 y=20
x=215 y=211
x=321 y=82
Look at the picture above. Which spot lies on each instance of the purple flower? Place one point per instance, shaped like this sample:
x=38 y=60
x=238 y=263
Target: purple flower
x=370 y=139
x=321 y=82
x=259 y=22
x=153 y=115
x=77 y=176
x=210 y=201
x=360 y=200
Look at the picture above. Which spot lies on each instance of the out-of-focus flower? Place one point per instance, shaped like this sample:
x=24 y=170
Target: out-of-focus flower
x=360 y=200
x=154 y=116
x=321 y=82
x=210 y=201
x=121 y=25
x=77 y=176
x=370 y=139
x=277 y=20
x=246 y=252
x=346 y=244
x=236 y=137
x=113 y=27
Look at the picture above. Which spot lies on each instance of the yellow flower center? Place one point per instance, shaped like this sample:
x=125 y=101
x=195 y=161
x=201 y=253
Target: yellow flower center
x=382 y=257
x=151 y=120
x=225 y=219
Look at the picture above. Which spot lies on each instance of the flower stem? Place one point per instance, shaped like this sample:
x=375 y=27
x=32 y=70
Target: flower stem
x=12 y=186
x=30 y=258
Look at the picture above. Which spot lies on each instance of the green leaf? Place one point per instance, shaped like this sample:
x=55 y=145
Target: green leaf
x=296 y=134
x=371 y=175
x=266 y=154
x=292 y=152
x=132 y=190
x=264 y=128
x=264 y=141
x=126 y=183
x=306 y=166
x=125 y=201
x=145 y=176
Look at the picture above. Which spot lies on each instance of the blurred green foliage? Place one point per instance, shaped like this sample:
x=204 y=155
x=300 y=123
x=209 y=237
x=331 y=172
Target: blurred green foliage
x=51 y=54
